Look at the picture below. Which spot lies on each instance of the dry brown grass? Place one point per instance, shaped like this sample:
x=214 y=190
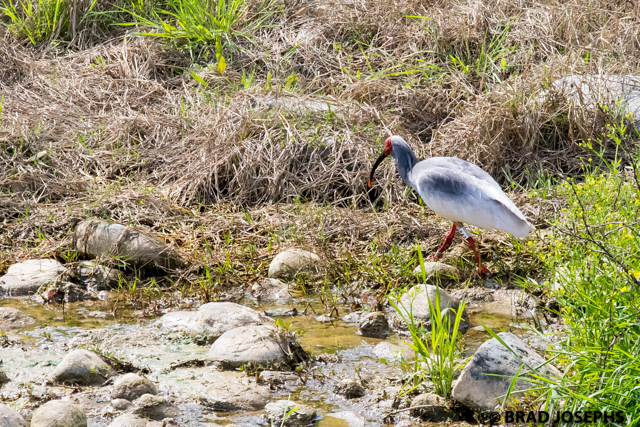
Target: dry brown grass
x=121 y=123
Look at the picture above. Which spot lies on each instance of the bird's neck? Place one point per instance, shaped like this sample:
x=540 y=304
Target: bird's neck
x=405 y=161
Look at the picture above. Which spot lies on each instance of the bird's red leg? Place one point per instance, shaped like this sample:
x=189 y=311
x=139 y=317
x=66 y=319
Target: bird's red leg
x=482 y=270
x=445 y=245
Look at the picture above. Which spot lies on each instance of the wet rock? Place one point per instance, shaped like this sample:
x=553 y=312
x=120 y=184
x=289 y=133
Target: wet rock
x=59 y=413
x=26 y=277
x=294 y=261
x=229 y=394
x=11 y=418
x=132 y=386
x=354 y=317
x=416 y=301
x=388 y=351
x=63 y=291
x=269 y=289
x=431 y=407
x=247 y=344
x=155 y=407
x=278 y=378
x=350 y=388
x=3 y=378
x=477 y=386
x=96 y=277
x=82 y=367
x=96 y=239
x=128 y=420
x=302 y=416
x=121 y=404
x=374 y=325
x=212 y=320
x=12 y=318
x=436 y=268
x=353 y=419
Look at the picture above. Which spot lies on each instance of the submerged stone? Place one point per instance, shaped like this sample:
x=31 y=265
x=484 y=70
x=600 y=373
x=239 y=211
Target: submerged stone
x=212 y=320
x=12 y=318
x=231 y=394
x=301 y=416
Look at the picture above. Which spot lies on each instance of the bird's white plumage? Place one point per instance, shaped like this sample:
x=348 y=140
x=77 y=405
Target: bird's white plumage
x=462 y=192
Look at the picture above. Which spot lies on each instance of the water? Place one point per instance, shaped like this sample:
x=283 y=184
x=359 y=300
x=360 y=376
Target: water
x=42 y=345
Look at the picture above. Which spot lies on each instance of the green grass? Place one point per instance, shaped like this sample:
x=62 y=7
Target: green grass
x=594 y=260
x=39 y=21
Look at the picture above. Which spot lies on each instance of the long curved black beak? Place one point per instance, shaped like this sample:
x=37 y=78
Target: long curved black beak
x=375 y=166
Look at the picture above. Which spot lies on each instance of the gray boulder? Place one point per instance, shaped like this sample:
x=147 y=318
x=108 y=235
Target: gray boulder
x=26 y=277
x=230 y=394
x=431 y=407
x=121 y=404
x=128 y=420
x=155 y=407
x=96 y=239
x=302 y=416
x=12 y=318
x=293 y=261
x=374 y=325
x=416 y=302
x=479 y=388
x=212 y=320
x=436 y=269
x=132 y=386
x=82 y=367
x=59 y=413
x=247 y=344
x=11 y=418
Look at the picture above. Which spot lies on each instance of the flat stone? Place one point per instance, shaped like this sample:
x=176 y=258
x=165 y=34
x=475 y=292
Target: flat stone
x=286 y=265
x=269 y=289
x=59 y=413
x=11 y=418
x=128 y=420
x=388 y=351
x=97 y=239
x=374 y=325
x=12 y=318
x=416 y=302
x=353 y=419
x=431 y=407
x=231 y=394
x=436 y=268
x=350 y=388
x=25 y=278
x=82 y=367
x=212 y=320
x=132 y=386
x=247 y=344
x=479 y=388
x=155 y=407
x=302 y=416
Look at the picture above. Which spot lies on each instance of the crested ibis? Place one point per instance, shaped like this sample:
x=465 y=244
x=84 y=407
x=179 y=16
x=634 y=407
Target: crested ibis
x=458 y=191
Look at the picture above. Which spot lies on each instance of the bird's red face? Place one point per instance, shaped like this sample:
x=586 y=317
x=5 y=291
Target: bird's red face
x=388 y=147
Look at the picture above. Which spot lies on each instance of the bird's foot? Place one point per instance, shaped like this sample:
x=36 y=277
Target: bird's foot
x=435 y=257
x=484 y=271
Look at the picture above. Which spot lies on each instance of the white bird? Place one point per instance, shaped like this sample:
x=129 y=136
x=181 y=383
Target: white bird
x=458 y=191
